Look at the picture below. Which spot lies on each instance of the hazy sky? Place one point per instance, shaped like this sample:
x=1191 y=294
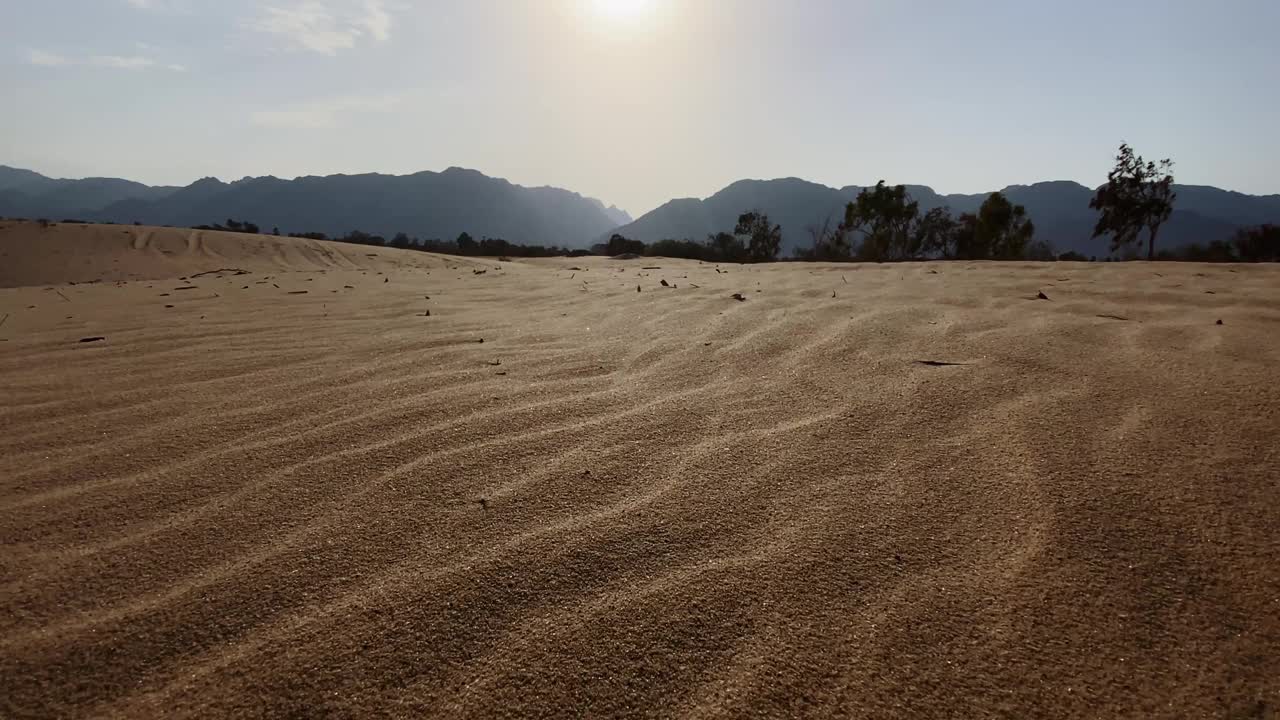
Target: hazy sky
x=639 y=101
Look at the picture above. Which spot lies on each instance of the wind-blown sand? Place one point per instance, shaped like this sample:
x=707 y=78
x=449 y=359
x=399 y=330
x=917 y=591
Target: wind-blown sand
x=655 y=503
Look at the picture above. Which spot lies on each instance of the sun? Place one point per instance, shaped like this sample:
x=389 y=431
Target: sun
x=622 y=10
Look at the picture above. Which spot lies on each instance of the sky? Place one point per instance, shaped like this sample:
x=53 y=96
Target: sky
x=640 y=101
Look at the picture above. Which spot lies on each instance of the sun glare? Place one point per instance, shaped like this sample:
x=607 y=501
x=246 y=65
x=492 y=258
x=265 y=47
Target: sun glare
x=621 y=10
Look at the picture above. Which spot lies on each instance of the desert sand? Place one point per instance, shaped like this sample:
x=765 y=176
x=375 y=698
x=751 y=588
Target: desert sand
x=290 y=491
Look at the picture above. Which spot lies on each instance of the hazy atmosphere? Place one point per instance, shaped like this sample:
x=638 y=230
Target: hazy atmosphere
x=639 y=359
x=639 y=101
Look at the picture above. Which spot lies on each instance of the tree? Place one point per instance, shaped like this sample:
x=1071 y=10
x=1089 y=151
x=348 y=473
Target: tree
x=466 y=245
x=828 y=243
x=934 y=233
x=999 y=231
x=1138 y=195
x=884 y=216
x=727 y=247
x=1258 y=244
x=1041 y=251
x=400 y=240
x=1004 y=228
x=619 y=245
x=763 y=239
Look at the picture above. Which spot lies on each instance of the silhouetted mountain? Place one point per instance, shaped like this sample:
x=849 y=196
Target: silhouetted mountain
x=791 y=202
x=614 y=213
x=426 y=204
x=24 y=180
x=27 y=193
x=442 y=205
x=1060 y=210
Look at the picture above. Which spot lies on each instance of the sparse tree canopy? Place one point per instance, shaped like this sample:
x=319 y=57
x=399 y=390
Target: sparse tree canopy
x=828 y=243
x=883 y=216
x=1138 y=195
x=1258 y=244
x=763 y=239
x=619 y=245
x=728 y=247
x=999 y=231
x=892 y=228
x=934 y=233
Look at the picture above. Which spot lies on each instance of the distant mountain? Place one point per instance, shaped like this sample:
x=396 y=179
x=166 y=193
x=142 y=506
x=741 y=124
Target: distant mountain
x=614 y=213
x=27 y=193
x=444 y=204
x=1060 y=210
x=426 y=205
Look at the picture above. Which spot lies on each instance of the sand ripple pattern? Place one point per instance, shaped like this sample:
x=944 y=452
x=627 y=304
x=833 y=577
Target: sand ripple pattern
x=661 y=504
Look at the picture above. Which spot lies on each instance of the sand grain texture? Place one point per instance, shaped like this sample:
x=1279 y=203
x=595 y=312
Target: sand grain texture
x=668 y=503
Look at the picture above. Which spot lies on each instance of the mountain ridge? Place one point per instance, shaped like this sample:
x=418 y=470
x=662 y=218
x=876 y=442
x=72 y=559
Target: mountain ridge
x=442 y=204
x=1059 y=209
x=426 y=204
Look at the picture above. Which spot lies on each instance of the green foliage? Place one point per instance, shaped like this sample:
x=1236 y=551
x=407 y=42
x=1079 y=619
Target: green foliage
x=1258 y=244
x=619 y=245
x=466 y=245
x=232 y=226
x=763 y=239
x=891 y=227
x=999 y=231
x=1138 y=195
x=690 y=249
x=828 y=244
x=934 y=233
x=1040 y=251
x=1216 y=251
x=728 y=247
x=883 y=216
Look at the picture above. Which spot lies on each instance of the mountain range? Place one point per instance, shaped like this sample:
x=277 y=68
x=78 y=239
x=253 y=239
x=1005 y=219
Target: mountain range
x=444 y=204
x=1059 y=209
x=438 y=205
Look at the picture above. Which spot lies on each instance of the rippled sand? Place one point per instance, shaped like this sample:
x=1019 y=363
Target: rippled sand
x=264 y=502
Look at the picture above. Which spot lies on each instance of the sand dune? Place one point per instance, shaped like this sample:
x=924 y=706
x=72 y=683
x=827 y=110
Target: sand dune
x=251 y=500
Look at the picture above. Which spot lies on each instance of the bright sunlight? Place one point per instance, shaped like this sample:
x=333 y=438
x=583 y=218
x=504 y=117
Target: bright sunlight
x=622 y=10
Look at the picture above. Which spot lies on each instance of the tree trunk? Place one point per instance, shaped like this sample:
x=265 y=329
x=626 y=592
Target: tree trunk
x=1151 y=243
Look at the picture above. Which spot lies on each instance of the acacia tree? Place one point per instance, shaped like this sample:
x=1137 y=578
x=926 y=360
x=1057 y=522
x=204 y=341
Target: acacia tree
x=728 y=248
x=828 y=243
x=1002 y=229
x=764 y=240
x=1138 y=195
x=466 y=244
x=1258 y=244
x=884 y=216
x=934 y=233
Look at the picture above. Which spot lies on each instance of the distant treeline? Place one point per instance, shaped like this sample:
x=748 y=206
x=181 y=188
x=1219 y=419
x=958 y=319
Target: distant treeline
x=463 y=245
x=881 y=225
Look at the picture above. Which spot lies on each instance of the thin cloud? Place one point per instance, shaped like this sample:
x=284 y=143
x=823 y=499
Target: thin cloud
x=321 y=114
x=135 y=62
x=161 y=5
x=46 y=59
x=376 y=20
x=324 y=27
